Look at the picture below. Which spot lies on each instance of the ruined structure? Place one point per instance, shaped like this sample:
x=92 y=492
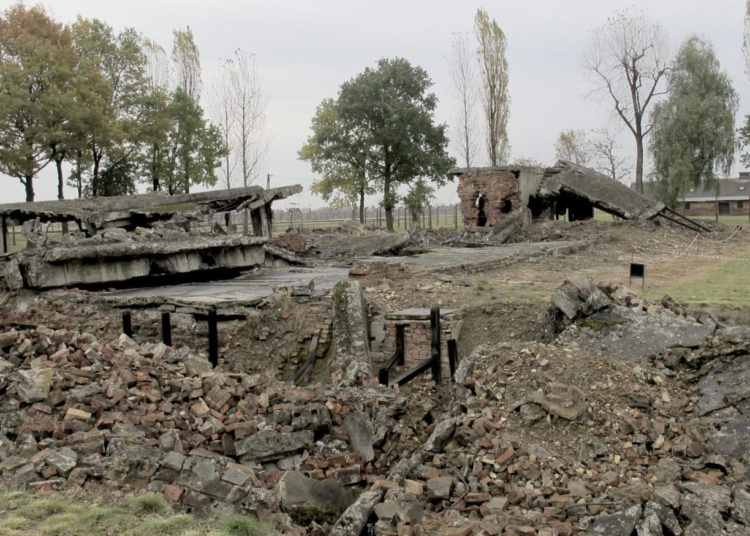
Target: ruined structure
x=129 y=238
x=493 y=196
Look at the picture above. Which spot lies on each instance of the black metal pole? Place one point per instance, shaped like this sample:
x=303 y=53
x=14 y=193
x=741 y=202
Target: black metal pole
x=127 y=323
x=213 y=338
x=166 y=328
x=435 y=344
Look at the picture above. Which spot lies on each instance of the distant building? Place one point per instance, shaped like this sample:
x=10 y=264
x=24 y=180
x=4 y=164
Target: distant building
x=733 y=198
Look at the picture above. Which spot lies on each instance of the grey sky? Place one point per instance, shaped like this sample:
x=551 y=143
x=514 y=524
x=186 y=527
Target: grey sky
x=306 y=48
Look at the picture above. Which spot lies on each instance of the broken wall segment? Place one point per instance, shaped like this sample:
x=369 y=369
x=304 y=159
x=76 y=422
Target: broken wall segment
x=350 y=333
x=490 y=196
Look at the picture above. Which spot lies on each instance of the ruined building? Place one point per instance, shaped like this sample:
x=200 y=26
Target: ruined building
x=494 y=196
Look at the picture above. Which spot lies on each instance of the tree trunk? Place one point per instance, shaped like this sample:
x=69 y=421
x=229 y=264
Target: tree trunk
x=60 y=194
x=154 y=172
x=28 y=183
x=362 y=206
x=639 y=164
x=95 y=177
x=387 y=201
x=58 y=165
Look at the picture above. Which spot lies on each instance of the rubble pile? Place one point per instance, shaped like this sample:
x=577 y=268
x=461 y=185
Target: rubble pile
x=80 y=413
x=559 y=442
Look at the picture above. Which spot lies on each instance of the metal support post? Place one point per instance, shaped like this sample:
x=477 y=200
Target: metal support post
x=166 y=328
x=213 y=338
x=127 y=323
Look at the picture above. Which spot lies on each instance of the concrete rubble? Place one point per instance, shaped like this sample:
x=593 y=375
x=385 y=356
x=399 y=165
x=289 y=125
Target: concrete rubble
x=82 y=413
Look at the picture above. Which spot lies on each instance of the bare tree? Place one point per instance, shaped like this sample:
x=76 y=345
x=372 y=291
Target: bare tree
x=463 y=77
x=573 y=146
x=606 y=158
x=249 y=112
x=494 y=73
x=187 y=63
x=223 y=111
x=628 y=58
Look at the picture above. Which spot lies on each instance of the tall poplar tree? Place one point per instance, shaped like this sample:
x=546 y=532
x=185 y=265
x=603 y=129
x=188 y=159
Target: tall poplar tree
x=494 y=88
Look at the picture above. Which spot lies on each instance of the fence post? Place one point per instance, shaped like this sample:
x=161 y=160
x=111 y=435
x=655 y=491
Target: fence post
x=435 y=344
x=455 y=216
x=166 y=328
x=127 y=323
x=213 y=338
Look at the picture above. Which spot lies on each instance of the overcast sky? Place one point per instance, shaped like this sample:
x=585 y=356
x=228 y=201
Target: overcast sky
x=306 y=49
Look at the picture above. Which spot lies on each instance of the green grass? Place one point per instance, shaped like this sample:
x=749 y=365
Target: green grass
x=56 y=514
x=244 y=526
x=727 y=285
x=147 y=503
x=600 y=215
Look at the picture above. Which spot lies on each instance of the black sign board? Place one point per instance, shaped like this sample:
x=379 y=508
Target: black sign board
x=638 y=270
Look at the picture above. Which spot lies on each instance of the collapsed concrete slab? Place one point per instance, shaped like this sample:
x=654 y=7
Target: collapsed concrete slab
x=131 y=211
x=128 y=238
x=93 y=262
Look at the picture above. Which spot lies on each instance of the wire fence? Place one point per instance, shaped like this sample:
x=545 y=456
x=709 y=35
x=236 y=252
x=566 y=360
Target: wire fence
x=444 y=216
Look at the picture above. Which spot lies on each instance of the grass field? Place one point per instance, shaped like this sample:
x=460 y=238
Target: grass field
x=55 y=514
x=727 y=285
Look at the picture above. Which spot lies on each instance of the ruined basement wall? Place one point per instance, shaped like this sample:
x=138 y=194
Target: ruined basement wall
x=506 y=191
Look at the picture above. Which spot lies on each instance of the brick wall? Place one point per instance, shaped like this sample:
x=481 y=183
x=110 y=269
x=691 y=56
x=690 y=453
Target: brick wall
x=708 y=208
x=371 y=274
x=291 y=241
x=418 y=342
x=501 y=190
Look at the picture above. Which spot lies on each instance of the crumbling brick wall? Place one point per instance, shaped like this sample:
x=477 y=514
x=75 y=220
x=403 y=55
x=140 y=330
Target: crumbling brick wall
x=418 y=342
x=292 y=241
x=500 y=190
x=371 y=274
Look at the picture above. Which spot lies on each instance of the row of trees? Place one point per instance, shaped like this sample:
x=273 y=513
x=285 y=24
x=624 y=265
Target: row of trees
x=378 y=133
x=112 y=108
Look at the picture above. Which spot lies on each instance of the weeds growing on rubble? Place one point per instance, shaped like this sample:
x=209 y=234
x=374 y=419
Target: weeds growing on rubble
x=27 y=514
